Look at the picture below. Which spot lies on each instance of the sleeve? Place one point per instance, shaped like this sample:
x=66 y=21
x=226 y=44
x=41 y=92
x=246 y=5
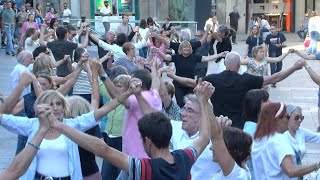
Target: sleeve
x=102 y=10
x=78 y=24
x=198 y=58
x=174 y=46
x=267 y=41
x=282 y=148
x=134 y=170
x=210 y=78
x=17 y=124
x=309 y=136
x=191 y=153
x=260 y=40
x=83 y=122
x=254 y=82
x=195 y=45
x=140 y=44
x=283 y=38
x=28 y=41
x=174 y=58
x=248 y=40
x=73 y=45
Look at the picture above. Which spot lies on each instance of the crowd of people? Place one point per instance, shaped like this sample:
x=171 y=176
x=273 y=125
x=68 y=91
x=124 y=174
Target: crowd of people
x=68 y=107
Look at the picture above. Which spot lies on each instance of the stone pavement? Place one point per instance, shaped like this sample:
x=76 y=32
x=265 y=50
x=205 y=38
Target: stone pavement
x=297 y=89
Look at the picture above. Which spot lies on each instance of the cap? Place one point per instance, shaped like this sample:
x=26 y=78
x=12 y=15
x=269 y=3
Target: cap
x=106 y=1
x=83 y=16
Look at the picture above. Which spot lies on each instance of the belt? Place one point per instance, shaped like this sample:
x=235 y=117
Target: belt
x=43 y=177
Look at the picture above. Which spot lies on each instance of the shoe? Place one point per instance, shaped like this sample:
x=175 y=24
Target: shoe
x=13 y=54
x=273 y=85
x=7 y=53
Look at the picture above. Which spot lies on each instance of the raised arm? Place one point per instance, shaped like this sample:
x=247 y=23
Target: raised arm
x=95 y=96
x=23 y=160
x=203 y=91
x=314 y=76
x=305 y=56
x=155 y=75
x=92 y=144
x=278 y=59
x=162 y=39
x=41 y=38
x=182 y=80
x=203 y=40
x=84 y=44
x=277 y=77
x=213 y=57
x=165 y=57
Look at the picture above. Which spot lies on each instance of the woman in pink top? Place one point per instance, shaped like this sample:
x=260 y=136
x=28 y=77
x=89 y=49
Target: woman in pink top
x=30 y=23
x=50 y=14
x=156 y=43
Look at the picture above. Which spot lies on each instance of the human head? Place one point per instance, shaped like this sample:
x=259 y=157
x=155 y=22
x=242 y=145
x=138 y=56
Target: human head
x=198 y=35
x=258 y=52
x=30 y=17
x=255 y=30
x=296 y=117
x=143 y=24
x=23 y=8
x=235 y=9
x=145 y=77
x=45 y=81
x=38 y=6
x=116 y=71
x=29 y=32
x=42 y=64
x=28 y=6
x=128 y=48
x=261 y=17
x=106 y=3
x=155 y=129
x=314 y=13
x=58 y=103
x=122 y=82
x=150 y=21
x=25 y=58
x=110 y=36
x=190 y=113
x=167 y=20
x=78 y=106
x=170 y=88
x=232 y=61
x=52 y=10
x=14 y=6
x=71 y=32
x=273 y=118
x=61 y=32
x=83 y=18
x=65 y=5
x=223 y=30
x=238 y=144
x=252 y=103
x=79 y=53
x=38 y=50
x=125 y=19
x=185 y=35
x=274 y=28
x=121 y=39
x=53 y=23
x=211 y=14
x=185 y=48
x=8 y=5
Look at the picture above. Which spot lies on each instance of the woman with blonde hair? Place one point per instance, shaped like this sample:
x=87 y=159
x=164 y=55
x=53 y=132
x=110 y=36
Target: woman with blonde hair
x=272 y=155
x=56 y=151
x=185 y=62
x=253 y=40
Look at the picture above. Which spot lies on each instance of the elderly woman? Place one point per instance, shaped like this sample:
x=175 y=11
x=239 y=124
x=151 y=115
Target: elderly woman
x=185 y=62
x=297 y=135
x=58 y=156
x=272 y=154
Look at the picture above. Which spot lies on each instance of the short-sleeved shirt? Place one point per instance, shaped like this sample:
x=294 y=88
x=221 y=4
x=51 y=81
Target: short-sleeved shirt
x=230 y=89
x=194 y=44
x=252 y=42
x=234 y=17
x=258 y=69
x=237 y=173
x=66 y=14
x=105 y=10
x=128 y=64
x=272 y=40
x=185 y=66
x=158 y=168
x=60 y=48
x=131 y=139
x=217 y=47
x=267 y=155
x=172 y=111
x=8 y=16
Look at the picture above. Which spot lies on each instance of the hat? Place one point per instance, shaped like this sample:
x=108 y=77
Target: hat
x=83 y=16
x=291 y=108
x=106 y=1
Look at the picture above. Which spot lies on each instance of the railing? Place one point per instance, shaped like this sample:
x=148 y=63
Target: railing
x=97 y=26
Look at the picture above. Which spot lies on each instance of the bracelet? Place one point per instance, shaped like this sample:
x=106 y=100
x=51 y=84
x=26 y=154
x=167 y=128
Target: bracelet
x=37 y=147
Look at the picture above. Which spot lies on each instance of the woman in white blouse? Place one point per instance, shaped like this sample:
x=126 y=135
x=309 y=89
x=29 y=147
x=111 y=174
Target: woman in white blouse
x=272 y=155
x=299 y=136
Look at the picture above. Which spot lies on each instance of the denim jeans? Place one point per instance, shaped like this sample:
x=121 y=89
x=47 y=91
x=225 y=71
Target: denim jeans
x=313 y=42
x=9 y=30
x=108 y=170
x=302 y=34
x=143 y=52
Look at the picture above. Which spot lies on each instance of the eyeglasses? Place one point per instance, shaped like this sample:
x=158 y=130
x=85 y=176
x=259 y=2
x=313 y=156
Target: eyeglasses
x=189 y=110
x=299 y=118
x=197 y=35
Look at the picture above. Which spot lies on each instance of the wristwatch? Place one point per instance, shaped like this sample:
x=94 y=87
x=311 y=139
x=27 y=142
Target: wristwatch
x=103 y=77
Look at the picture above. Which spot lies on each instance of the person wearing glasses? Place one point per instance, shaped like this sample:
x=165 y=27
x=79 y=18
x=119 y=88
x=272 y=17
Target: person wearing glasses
x=299 y=136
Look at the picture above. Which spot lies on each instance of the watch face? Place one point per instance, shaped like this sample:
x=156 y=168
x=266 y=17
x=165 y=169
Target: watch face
x=102 y=78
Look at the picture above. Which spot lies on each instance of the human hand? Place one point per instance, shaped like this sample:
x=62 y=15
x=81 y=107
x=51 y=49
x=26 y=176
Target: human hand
x=95 y=66
x=299 y=64
x=135 y=86
x=42 y=111
x=204 y=90
x=66 y=57
x=136 y=29
x=139 y=62
x=208 y=27
x=224 y=121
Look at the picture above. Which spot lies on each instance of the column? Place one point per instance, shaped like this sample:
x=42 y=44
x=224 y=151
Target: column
x=75 y=8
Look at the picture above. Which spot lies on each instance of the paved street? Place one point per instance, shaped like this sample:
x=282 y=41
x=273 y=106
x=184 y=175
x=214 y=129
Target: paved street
x=298 y=89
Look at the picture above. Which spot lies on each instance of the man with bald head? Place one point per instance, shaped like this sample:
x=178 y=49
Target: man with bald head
x=231 y=87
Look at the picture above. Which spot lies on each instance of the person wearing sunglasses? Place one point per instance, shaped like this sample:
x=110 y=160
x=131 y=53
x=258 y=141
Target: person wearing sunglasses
x=297 y=135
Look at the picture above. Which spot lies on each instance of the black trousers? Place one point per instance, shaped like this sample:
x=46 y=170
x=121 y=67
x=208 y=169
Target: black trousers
x=234 y=33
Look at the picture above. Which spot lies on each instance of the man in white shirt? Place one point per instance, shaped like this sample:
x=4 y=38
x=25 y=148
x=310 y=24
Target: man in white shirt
x=185 y=132
x=263 y=25
x=105 y=12
x=66 y=14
